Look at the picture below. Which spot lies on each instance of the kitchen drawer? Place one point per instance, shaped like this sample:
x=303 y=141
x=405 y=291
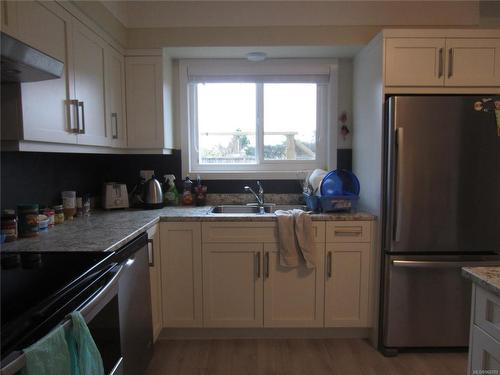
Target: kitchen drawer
x=487 y=312
x=264 y=232
x=484 y=355
x=348 y=231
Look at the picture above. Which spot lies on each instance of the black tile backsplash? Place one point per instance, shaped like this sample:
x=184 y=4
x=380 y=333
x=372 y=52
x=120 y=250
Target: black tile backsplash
x=36 y=177
x=33 y=177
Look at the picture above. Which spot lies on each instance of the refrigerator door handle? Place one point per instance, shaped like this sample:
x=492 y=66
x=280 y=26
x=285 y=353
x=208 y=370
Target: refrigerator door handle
x=443 y=264
x=399 y=184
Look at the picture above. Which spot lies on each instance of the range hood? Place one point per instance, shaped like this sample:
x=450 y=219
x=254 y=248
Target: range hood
x=22 y=63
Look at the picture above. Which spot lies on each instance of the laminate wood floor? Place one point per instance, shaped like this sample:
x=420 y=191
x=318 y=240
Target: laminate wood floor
x=295 y=357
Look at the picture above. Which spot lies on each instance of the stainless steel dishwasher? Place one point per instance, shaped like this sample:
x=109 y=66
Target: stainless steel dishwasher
x=134 y=296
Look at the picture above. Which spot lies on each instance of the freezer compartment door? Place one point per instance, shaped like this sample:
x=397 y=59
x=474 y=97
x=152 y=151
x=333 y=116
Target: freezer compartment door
x=427 y=300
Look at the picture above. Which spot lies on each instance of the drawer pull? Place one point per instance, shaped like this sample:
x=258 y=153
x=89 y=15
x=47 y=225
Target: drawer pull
x=348 y=232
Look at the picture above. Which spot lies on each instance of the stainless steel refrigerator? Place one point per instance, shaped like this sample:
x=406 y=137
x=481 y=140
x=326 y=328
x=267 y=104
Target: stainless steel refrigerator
x=441 y=213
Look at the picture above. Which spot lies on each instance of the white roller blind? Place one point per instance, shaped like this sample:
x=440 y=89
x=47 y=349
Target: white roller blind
x=278 y=70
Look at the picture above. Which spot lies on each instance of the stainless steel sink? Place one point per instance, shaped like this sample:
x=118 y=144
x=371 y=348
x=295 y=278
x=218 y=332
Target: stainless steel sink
x=253 y=209
x=241 y=209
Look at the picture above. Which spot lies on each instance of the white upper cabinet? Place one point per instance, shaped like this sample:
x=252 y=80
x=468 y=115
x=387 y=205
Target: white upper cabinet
x=442 y=62
x=144 y=78
x=8 y=12
x=414 y=61
x=88 y=54
x=86 y=106
x=472 y=62
x=45 y=103
x=115 y=97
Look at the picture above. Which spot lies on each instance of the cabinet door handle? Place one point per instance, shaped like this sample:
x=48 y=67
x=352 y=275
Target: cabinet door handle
x=151 y=252
x=267 y=264
x=257 y=259
x=114 y=116
x=329 y=264
x=440 y=66
x=71 y=103
x=82 y=130
x=450 y=62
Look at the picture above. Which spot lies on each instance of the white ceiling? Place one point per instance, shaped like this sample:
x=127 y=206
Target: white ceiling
x=279 y=52
x=237 y=13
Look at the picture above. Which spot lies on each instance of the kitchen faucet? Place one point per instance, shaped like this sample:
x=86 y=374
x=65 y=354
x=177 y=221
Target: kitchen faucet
x=259 y=197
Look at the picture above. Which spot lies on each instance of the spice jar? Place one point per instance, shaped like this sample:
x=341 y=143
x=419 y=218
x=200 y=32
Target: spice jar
x=9 y=225
x=58 y=214
x=28 y=220
x=50 y=213
x=43 y=223
x=69 y=204
x=79 y=206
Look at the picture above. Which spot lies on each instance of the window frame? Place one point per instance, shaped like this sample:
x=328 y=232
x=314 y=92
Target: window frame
x=264 y=169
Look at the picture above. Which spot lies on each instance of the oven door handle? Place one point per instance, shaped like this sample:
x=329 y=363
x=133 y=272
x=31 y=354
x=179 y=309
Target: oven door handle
x=89 y=310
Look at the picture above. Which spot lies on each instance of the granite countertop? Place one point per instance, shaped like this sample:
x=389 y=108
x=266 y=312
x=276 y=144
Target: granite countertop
x=110 y=230
x=486 y=277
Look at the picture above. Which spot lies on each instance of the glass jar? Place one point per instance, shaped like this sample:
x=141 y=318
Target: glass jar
x=9 y=225
x=28 y=220
x=69 y=204
x=58 y=214
x=50 y=213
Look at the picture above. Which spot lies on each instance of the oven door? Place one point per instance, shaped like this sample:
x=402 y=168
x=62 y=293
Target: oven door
x=102 y=316
x=101 y=313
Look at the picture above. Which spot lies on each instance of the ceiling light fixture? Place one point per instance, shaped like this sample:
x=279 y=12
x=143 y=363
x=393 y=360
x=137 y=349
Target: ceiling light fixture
x=256 y=56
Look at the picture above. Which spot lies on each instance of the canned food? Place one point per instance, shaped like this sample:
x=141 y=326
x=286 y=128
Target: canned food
x=28 y=220
x=58 y=214
x=9 y=225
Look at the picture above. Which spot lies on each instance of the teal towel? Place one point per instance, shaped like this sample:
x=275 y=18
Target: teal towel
x=85 y=357
x=48 y=356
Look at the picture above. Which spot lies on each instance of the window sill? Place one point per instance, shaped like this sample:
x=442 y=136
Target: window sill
x=248 y=175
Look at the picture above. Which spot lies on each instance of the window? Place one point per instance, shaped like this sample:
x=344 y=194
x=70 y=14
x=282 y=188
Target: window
x=241 y=120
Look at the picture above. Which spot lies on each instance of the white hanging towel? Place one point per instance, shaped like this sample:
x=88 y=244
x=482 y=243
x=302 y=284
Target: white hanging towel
x=296 y=240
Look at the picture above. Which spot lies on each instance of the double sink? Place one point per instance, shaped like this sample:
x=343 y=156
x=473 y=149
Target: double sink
x=269 y=208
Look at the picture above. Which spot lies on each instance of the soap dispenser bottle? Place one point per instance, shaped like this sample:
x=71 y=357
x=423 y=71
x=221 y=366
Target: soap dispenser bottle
x=170 y=193
x=187 y=194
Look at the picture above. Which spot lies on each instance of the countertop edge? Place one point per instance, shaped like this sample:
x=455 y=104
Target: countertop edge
x=490 y=283
x=105 y=231
x=125 y=240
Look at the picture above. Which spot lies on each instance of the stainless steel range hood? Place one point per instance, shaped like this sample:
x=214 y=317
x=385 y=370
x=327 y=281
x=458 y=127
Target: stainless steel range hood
x=22 y=63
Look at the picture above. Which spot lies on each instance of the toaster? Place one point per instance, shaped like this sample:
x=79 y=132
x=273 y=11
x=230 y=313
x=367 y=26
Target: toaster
x=114 y=195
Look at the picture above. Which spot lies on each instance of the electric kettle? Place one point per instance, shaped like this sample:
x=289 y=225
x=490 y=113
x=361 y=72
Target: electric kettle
x=152 y=194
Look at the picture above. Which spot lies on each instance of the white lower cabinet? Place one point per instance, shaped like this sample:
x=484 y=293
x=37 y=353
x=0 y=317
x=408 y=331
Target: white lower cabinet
x=155 y=279
x=232 y=285
x=181 y=274
x=293 y=297
x=347 y=285
x=484 y=345
x=484 y=353
x=228 y=275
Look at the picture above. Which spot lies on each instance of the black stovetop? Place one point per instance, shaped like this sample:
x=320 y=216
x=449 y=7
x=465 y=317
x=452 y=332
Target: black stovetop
x=34 y=286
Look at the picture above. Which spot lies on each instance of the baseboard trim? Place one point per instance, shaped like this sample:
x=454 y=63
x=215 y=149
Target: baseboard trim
x=263 y=333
